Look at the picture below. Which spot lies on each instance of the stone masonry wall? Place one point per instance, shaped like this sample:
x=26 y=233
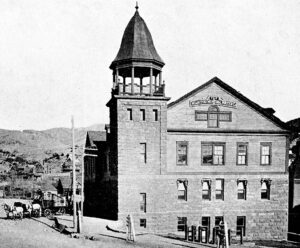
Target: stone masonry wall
x=265 y=219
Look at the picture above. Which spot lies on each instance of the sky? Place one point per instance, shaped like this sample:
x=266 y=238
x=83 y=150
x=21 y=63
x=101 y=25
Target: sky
x=55 y=55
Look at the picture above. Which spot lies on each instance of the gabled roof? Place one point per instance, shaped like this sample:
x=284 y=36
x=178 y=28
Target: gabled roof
x=264 y=111
x=94 y=136
x=137 y=43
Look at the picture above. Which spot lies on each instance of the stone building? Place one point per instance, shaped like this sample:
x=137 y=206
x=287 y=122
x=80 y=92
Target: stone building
x=212 y=154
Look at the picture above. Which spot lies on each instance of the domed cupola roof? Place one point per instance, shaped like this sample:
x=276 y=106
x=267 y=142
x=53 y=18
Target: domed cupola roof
x=137 y=44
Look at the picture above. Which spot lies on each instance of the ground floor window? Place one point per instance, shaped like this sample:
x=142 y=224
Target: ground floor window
x=241 y=225
x=205 y=222
x=143 y=223
x=181 y=224
x=218 y=219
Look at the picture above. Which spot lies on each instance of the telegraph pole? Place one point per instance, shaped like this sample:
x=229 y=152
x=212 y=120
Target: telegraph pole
x=74 y=176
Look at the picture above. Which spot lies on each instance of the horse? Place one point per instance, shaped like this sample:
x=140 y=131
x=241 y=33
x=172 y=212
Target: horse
x=36 y=210
x=15 y=211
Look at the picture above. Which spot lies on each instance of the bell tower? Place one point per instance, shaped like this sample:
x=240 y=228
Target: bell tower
x=137 y=68
x=138 y=117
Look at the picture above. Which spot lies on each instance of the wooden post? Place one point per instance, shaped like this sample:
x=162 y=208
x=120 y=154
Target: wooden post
x=226 y=235
x=74 y=176
x=79 y=226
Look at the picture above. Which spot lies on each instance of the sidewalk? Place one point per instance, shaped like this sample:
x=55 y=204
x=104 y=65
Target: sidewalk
x=96 y=228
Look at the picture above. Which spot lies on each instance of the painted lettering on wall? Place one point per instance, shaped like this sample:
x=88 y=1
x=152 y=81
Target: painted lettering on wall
x=213 y=100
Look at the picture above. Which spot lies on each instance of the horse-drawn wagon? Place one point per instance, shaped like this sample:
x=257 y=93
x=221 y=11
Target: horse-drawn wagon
x=54 y=204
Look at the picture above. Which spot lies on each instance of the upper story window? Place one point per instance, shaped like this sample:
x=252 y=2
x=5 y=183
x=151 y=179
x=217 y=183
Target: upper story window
x=155 y=114
x=242 y=153
x=219 y=189
x=265 y=189
x=182 y=152
x=143 y=202
x=265 y=153
x=242 y=189
x=213 y=116
x=182 y=189
x=206 y=189
x=142 y=114
x=129 y=114
x=143 y=152
x=213 y=153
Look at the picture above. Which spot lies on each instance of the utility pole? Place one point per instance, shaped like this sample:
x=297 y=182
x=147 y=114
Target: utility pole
x=74 y=176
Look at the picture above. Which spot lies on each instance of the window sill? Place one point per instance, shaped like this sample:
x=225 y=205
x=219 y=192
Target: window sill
x=181 y=164
x=213 y=164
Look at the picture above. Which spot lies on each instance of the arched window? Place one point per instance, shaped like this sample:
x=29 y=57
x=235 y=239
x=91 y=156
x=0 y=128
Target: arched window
x=242 y=189
x=265 y=189
x=213 y=116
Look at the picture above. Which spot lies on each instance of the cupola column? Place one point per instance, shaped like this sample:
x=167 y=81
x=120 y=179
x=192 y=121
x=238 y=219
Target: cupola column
x=124 y=84
x=113 y=79
x=151 y=79
x=141 y=85
x=160 y=78
x=117 y=80
x=132 y=80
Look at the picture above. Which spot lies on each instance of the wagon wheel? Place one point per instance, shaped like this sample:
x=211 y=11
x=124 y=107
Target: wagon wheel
x=47 y=213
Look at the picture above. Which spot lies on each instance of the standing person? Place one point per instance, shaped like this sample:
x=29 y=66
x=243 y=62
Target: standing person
x=221 y=235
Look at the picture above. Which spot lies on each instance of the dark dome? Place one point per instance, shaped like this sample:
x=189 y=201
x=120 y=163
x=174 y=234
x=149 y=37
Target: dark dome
x=137 y=44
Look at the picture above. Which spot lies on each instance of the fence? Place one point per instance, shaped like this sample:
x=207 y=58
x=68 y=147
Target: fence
x=201 y=234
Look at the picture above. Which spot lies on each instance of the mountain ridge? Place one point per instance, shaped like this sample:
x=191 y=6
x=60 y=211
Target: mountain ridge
x=36 y=144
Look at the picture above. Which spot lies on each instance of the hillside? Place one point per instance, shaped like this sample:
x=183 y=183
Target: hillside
x=32 y=144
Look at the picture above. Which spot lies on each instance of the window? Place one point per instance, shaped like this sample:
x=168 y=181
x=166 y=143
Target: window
x=265 y=153
x=200 y=115
x=213 y=117
x=142 y=114
x=155 y=114
x=242 y=153
x=265 y=189
x=218 y=219
x=182 y=152
x=143 y=223
x=181 y=224
x=143 y=202
x=213 y=153
x=206 y=189
x=205 y=222
x=225 y=116
x=242 y=190
x=219 y=189
x=143 y=152
x=182 y=189
x=241 y=225
x=129 y=114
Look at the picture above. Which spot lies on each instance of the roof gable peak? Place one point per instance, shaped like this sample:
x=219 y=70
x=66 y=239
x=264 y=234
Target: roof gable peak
x=263 y=111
